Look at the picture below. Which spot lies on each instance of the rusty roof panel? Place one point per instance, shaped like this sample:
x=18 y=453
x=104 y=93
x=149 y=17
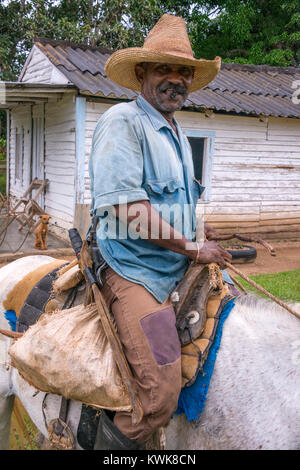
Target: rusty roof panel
x=80 y=61
x=97 y=85
x=243 y=103
x=238 y=88
x=59 y=55
x=256 y=83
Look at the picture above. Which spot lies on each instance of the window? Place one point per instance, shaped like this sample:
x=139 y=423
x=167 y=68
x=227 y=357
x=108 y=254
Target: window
x=202 y=143
x=197 y=144
x=19 y=153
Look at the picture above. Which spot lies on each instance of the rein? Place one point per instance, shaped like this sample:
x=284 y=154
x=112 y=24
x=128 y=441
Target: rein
x=245 y=239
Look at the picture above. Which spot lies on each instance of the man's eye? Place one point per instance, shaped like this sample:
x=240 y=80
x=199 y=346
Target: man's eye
x=186 y=71
x=163 y=69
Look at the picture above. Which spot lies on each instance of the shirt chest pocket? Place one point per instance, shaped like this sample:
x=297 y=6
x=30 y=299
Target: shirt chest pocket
x=167 y=196
x=164 y=190
x=197 y=190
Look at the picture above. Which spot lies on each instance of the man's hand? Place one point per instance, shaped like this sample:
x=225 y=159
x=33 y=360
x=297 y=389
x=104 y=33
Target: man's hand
x=211 y=252
x=210 y=232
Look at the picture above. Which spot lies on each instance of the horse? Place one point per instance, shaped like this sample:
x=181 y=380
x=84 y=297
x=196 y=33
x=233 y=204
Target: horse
x=253 y=401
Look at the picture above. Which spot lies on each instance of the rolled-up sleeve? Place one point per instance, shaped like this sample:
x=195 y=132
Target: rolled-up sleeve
x=116 y=162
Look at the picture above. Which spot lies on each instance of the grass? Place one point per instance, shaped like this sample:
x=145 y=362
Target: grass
x=22 y=429
x=284 y=285
x=3 y=184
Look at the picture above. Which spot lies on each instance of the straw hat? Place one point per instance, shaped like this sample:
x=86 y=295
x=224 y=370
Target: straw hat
x=167 y=42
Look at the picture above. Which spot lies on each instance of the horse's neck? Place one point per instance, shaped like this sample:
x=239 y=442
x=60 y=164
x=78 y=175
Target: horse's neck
x=4 y=322
x=259 y=321
x=253 y=398
x=259 y=335
x=265 y=318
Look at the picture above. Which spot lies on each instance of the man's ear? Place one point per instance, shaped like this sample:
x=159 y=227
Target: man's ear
x=140 y=72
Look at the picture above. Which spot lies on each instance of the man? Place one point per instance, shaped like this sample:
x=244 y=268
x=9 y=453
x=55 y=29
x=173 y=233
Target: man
x=145 y=194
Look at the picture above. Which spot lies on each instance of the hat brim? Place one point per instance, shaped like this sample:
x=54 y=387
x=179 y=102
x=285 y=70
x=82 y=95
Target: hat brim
x=120 y=67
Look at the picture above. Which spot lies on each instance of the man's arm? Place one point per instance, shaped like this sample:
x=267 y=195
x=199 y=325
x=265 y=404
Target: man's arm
x=154 y=228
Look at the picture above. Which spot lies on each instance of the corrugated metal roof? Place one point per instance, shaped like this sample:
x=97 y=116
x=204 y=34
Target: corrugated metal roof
x=238 y=88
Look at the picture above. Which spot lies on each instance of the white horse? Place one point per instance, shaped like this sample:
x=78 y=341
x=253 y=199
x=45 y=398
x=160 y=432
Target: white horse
x=254 y=397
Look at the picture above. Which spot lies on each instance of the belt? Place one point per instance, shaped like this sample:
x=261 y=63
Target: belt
x=99 y=263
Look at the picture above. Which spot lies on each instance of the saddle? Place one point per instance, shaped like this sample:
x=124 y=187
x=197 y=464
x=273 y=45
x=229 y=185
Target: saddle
x=198 y=302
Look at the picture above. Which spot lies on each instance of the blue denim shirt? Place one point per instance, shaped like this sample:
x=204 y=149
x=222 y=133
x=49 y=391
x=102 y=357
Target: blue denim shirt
x=136 y=155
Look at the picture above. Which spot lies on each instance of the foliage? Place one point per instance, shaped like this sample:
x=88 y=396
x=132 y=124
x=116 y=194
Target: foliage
x=3 y=184
x=2 y=125
x=246 y=31
x=2 y=148
x=13 y=48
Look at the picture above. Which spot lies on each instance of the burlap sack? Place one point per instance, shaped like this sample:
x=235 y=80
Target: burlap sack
x=66 y=353
x=68 y=279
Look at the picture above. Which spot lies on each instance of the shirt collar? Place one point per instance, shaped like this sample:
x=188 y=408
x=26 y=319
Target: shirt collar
x=156 y=118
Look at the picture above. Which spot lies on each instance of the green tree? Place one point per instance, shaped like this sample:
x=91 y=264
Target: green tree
x=13 y=49
x=247 y=31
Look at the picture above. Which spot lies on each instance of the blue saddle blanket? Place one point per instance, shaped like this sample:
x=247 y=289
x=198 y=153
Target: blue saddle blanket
x=12 y=319
x=192 y=399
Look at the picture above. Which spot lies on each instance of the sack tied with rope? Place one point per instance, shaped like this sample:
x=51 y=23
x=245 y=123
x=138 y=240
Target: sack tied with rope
x=67 y=353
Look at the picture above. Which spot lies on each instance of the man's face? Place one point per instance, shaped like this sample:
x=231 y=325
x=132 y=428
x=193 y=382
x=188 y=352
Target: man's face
x=165 y=86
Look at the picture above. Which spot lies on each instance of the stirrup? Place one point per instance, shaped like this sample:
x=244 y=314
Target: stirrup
x=109 y=437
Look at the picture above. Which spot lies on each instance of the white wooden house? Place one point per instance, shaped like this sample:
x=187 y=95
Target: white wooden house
x=244 y=128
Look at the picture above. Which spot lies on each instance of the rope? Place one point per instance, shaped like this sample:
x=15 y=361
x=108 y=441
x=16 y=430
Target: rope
x=5 y=232
x=13 y=217
x=7 y=225
x=239 y=285
x=264 y=291
x=19 y=247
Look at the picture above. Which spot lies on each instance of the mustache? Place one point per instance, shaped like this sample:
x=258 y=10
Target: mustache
x=177 y=89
